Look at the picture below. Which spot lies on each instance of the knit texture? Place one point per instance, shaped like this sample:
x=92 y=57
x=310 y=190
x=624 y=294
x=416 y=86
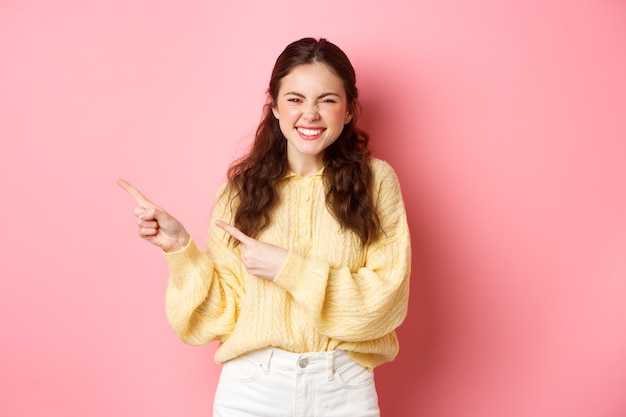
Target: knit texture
x=332 y=292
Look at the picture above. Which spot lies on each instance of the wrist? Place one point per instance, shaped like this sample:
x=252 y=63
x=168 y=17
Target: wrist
x=181 y=243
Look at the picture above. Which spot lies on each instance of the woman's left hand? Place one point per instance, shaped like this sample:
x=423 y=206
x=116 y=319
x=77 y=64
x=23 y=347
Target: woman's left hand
x=260 y=259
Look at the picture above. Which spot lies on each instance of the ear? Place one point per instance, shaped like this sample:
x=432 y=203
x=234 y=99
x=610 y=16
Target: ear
x=348 y=118
x=274 y=108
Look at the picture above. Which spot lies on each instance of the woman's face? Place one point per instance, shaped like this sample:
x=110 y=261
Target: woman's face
x=312 y=109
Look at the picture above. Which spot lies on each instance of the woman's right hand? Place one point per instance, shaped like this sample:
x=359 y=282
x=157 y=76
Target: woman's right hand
x=156 y=225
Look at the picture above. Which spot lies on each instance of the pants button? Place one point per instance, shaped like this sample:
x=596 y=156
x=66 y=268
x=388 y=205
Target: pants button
x=302 y=363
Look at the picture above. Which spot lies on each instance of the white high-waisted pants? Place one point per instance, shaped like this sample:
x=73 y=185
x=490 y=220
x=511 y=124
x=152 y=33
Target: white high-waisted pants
x=276 y=383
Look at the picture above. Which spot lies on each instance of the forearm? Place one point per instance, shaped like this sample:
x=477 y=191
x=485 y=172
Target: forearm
x=352 y=306
x=198 y=308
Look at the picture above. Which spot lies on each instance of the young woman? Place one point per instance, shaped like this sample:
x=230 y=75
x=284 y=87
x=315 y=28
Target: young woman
x=306 y=271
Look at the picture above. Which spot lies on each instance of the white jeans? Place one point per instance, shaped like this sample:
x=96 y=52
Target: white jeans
x=276 y=383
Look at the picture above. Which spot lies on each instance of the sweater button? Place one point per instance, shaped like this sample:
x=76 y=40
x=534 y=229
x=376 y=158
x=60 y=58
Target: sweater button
x=302 y=363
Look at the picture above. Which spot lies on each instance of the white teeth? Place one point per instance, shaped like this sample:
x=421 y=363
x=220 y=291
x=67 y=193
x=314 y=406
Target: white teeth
x=309 y=132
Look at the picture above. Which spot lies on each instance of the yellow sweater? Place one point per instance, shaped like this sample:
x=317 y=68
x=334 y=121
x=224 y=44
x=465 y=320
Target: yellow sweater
x=332 y=293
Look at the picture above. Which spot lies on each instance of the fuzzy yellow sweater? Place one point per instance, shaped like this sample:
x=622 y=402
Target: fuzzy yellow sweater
x=332 y=293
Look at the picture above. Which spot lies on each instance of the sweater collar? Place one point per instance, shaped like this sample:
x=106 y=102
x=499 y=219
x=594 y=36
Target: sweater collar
x=291 y=174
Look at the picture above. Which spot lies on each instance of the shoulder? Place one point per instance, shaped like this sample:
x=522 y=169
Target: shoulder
x=382 y=171
x=385 y=183
x=226 y=200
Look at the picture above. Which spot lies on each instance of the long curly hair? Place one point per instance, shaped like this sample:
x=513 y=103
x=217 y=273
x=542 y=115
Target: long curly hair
x=347 y=173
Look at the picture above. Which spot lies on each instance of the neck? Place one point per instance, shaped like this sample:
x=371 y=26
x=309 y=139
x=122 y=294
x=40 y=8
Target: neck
x=306 y=167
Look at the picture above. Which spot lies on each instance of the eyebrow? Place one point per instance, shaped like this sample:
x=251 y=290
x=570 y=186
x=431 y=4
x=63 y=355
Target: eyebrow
x=294 y=93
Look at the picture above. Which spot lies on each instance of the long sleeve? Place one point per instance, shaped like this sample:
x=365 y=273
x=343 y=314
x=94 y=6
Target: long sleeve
x=203 y=296
x=331 y=293
x=370 y=301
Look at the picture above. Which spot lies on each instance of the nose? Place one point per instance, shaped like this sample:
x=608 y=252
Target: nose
x=311 y=112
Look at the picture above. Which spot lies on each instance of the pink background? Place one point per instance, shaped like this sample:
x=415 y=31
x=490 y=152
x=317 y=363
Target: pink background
x=505 y=120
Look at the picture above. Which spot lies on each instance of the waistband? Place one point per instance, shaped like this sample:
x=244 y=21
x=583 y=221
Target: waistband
x=274 y=358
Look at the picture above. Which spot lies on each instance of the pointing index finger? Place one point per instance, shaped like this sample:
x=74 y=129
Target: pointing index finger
x=233 y=231
x=135 y=193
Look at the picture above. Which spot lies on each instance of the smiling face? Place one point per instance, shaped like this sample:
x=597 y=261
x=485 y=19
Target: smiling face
x=311 y=108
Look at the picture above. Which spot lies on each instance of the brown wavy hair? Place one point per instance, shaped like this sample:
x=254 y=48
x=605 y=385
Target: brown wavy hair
x=347 y=173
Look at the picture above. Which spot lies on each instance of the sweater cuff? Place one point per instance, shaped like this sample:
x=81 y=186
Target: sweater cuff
x=184 y=258
x=299 y=273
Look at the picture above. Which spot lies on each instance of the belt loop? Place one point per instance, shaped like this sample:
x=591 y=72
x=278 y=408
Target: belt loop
x=330 y=366
x=265 y=365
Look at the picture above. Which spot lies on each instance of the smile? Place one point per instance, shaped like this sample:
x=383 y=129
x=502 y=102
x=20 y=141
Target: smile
x=309 y=132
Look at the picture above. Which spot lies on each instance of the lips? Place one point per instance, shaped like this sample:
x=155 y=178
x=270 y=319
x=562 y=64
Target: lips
x=310 y=133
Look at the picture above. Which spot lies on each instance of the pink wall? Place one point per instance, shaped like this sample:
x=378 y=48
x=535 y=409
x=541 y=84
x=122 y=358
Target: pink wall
x=505 y=120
